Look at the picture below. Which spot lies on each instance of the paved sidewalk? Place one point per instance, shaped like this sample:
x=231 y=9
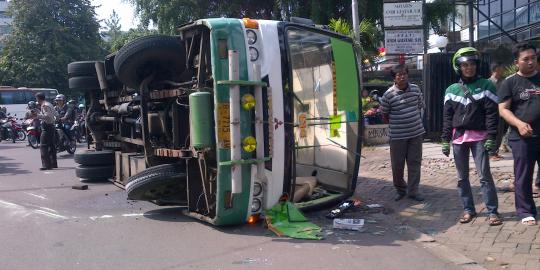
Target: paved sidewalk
x=510 y=246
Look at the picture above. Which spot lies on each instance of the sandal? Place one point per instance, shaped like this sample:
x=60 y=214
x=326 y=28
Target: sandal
x=466 y=218
x=529 y=221
x=494 y=220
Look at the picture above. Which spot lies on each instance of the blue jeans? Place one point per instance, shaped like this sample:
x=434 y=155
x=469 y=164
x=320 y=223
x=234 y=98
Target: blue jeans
x=67 y=130
x=481 y=160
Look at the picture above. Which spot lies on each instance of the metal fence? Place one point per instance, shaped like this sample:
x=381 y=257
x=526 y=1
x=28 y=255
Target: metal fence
x=438 y=75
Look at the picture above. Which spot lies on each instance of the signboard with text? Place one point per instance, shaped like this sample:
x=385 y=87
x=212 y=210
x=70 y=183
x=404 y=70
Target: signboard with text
x=402 y=14
x=404 y=41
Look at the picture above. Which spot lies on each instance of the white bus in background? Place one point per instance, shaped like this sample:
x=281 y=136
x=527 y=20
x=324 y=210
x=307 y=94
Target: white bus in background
x=16 y=99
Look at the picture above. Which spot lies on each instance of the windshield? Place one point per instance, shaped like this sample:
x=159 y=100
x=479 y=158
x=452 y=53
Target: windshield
x=325 y=103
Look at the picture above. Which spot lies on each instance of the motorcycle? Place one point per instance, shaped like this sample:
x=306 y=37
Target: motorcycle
x=11 y=130
x=77 y=131
x=63 y=143
x=33 y=132
x=18 y=130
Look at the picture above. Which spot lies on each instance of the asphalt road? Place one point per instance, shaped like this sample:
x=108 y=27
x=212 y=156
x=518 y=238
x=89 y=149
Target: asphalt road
x=45 y=224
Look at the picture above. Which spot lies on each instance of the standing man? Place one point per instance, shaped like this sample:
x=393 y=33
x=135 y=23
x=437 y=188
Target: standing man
x=470 y=123
x=520 y=107
x=402 y=103
x=47 y=146
x=497 y=78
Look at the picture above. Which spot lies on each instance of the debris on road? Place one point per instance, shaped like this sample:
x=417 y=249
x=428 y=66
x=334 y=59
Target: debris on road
x=342 y=207
x=353 y=224
x=245 y=261
x=80 y=187
x=284 y=219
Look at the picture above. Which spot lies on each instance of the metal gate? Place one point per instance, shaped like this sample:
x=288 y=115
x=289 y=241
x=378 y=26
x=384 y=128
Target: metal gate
x=438 y=75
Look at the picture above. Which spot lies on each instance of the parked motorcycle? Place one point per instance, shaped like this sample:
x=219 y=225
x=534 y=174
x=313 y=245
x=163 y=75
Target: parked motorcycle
x=63 y=143
x=33 y=132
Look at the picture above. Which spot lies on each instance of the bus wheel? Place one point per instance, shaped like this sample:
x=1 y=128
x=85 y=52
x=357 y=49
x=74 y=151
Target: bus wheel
x=166 y=182
x=93 y=158
x=82 y=68
x=94 y=173
x=160 y=55
x=84 y=83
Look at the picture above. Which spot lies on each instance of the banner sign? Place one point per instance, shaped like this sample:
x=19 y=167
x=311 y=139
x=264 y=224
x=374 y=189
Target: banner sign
x=402 y=14
x=410 y=41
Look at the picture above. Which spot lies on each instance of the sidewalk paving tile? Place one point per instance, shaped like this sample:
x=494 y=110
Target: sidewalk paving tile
x=512 y=245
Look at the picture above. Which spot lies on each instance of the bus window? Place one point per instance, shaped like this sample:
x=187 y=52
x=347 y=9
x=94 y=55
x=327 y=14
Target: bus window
x=29 y=96
x=12 y=97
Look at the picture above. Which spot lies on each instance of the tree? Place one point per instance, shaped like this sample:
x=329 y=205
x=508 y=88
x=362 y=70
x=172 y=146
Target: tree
x=369 y=35
x=113 y=26
x=167 y=15
x=125 y=37
x=46 y=36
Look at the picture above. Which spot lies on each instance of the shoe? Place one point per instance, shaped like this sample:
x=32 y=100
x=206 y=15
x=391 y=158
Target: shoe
x=504 y=148
x=416 y=197
x=496 y=157
x=398 y=197
x=44 y=169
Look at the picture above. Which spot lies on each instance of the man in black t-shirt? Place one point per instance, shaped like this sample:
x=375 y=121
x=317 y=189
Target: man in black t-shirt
x=520 y=106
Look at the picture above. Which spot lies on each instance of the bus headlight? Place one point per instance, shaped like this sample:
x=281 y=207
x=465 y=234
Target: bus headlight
x=253 y=54
x=248 y=102
x=256 y=205
x=257 y=189
x=249 y=144
x=251 y=37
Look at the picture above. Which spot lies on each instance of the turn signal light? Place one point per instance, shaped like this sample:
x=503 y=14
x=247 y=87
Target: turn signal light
x=253 y=219
x=249 y=144
x=248 y=102
x=249 y=23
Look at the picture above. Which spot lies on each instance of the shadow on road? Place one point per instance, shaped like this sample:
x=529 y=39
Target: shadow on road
x=170 y=214
x=10 y=168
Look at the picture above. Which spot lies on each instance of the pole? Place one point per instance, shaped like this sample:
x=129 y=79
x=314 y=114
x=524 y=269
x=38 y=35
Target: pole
x=471 y=23
x=355 y=20
x=454 y=21
x=356 y=30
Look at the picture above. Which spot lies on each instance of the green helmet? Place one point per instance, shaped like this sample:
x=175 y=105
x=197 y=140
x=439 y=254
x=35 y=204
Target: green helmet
x=463 y=55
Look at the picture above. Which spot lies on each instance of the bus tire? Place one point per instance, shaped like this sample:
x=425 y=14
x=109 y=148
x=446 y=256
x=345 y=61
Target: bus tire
x=163 y=56
x=84 y=83
x=95 y=173
x=94 y=158
x=166 y=182
x=82 y=68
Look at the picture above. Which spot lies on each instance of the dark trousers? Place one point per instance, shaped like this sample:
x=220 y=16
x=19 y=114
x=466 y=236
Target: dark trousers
x=406 y=151
x=526 y=153
x=501 y=131
x=48 y=147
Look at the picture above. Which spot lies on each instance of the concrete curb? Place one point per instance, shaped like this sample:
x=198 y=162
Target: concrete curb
x=445 y=253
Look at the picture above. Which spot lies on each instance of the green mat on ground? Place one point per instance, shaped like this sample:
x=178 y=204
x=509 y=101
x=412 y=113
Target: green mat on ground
x=284 y=219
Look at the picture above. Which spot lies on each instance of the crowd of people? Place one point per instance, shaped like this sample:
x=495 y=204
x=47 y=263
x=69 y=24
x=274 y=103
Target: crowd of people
x=47 y=116
x=478 y=114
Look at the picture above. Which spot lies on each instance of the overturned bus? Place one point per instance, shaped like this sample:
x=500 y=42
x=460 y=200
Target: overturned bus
x=226 y=117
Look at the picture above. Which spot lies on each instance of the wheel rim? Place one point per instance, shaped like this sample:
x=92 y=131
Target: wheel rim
x=21 y=136
x=32 y=140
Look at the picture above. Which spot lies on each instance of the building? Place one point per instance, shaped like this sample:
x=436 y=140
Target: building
x=520 y=19
x=5 y=22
